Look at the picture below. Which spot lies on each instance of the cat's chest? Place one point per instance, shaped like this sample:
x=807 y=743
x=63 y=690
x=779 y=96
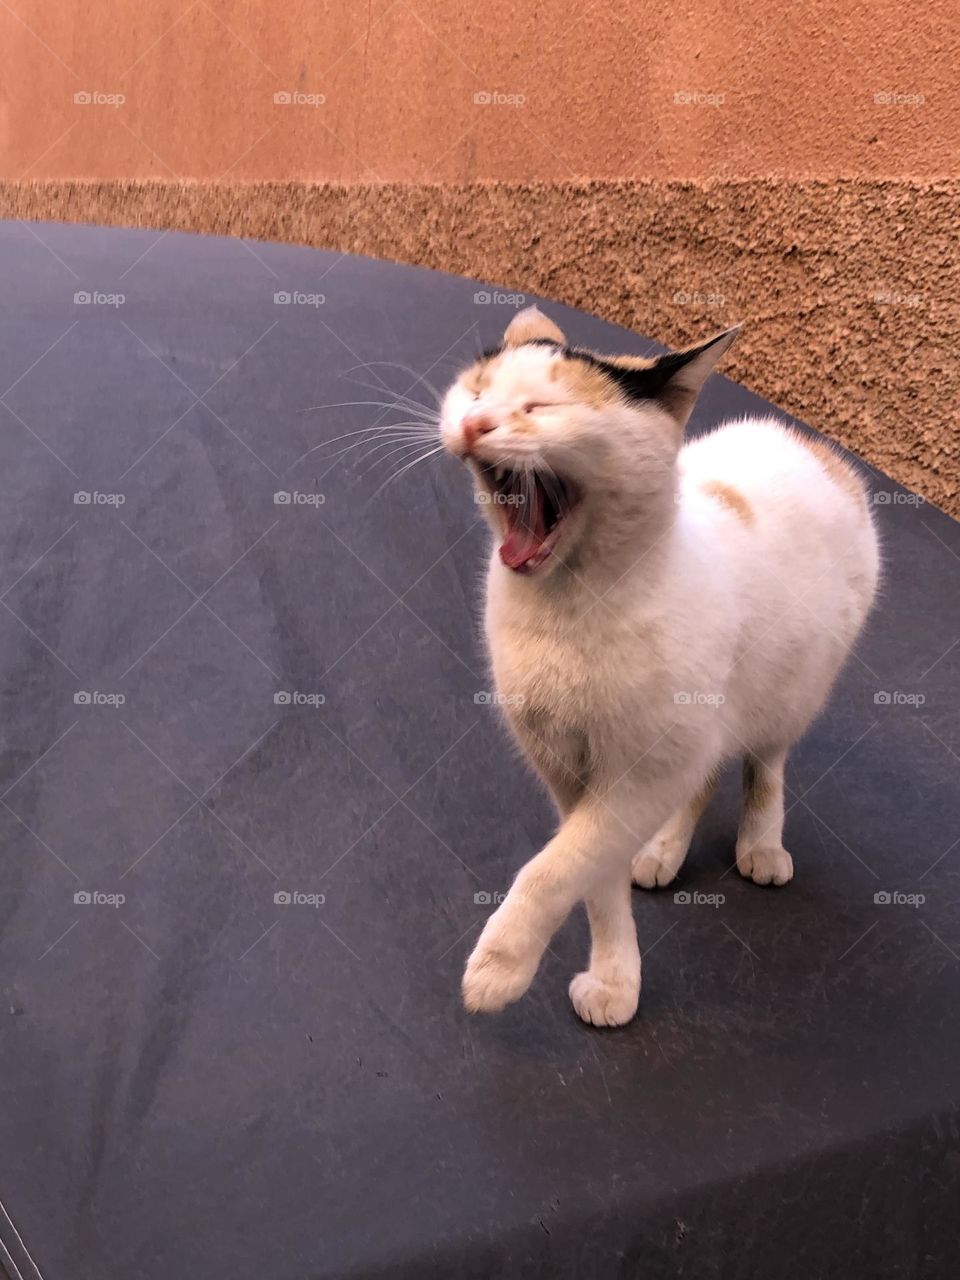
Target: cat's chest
x=553 y=671
x=551 y=695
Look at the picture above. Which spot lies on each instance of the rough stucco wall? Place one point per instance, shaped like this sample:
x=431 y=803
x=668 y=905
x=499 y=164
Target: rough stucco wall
x=847 y=289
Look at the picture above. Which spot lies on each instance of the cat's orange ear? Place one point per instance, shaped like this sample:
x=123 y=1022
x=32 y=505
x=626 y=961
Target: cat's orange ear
x=531 y=325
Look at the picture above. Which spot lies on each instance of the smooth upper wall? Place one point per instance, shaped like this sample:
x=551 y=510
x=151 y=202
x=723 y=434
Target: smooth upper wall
x=447 y=91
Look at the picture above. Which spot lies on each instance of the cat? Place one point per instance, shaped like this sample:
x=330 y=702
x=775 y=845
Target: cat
x=653 y=610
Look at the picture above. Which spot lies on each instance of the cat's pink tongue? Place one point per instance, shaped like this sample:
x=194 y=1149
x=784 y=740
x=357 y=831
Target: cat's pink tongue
x=526 y=534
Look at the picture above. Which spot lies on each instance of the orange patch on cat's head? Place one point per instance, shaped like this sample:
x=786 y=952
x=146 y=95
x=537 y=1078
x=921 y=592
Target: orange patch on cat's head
x=586 y=381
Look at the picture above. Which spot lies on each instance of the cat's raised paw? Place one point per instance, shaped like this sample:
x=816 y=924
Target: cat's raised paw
x=601 y=1003
x=770 y=865
x=494 y=978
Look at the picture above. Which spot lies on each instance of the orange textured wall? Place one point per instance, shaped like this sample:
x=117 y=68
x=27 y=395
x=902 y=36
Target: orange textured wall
x=451 y=91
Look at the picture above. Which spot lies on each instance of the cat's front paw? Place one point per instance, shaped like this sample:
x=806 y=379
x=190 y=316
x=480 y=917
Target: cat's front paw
x=499 y=970
x=604 y=1003
x=765 y=865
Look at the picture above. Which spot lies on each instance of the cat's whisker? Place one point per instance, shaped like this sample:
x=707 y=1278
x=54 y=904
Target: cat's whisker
x=416 y=410
x=356 y=404
x=377 y=430
x=361 y=458
x=403 y=450
x=405 y=368
x=392 y=446
x=404 y=400
x=367 y=434
x=432 y=453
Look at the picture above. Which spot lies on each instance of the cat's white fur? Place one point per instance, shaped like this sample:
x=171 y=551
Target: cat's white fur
x=697 y=609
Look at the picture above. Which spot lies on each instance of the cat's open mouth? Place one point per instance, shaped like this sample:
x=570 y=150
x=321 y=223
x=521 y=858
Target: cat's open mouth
x=532 y=506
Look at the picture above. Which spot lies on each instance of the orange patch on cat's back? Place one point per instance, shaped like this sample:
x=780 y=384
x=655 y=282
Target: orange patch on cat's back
x=730 y=498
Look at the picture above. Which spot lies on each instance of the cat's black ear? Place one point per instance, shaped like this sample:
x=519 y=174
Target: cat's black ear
x=675 y=379
x=531 y=325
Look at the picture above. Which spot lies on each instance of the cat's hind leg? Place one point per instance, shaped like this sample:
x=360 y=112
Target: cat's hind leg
x=658 y=861
x=761 y=856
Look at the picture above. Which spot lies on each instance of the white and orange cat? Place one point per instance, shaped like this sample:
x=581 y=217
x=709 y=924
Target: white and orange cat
x=654 y=609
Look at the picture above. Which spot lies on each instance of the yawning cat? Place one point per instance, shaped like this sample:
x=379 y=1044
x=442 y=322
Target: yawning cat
x=654 y=609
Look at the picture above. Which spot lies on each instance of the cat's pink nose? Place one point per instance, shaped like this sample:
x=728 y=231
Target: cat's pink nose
x=474 y=426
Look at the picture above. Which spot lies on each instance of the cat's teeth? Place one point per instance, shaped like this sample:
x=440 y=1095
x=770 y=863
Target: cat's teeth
x=499 y=474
